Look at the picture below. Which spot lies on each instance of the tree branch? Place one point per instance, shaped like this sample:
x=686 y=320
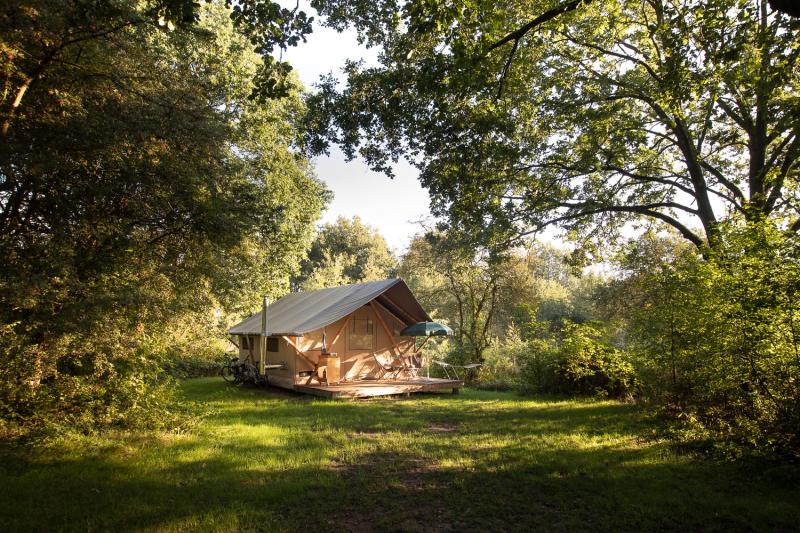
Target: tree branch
x=520 y=32
x=645 y=210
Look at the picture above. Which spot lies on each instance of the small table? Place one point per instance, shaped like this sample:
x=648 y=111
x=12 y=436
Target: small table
x=332 y=367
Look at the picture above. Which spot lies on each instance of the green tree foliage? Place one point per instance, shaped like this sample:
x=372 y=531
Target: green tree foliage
x=139 y=183
x=463 y=288
x=589 y=364
x=647 y=302
x=346 y=251
x=716 y=340
x=507 y=311
x=477 y=294
x=41 y=36
x=504 y=360
x=564 y=294
x=585 y=114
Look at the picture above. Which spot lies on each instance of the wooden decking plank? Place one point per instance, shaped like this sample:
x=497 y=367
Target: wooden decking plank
x=365 y=389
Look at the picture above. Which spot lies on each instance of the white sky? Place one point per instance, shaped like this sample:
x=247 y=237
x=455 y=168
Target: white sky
x=391 y=205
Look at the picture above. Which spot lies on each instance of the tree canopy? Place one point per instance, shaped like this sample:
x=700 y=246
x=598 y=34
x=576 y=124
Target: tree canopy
x=139 y=183
x=536 y=114
x=346 y=251
x=43 y=35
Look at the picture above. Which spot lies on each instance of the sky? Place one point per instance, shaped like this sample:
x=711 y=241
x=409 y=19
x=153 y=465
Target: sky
x=393 y=206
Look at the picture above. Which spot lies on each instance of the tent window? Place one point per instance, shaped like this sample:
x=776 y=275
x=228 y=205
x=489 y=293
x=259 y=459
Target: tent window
x=245 y=342
x=272 y=344
x=362 y=333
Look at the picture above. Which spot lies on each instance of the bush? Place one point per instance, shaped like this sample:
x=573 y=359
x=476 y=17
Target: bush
x=501 y=370
x=183 y=365
x=589 y=365
x=47 y=388
x=193 y=346
x=538 y=366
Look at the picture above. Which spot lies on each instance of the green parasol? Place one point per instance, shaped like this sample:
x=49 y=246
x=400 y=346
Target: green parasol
x=426 y=329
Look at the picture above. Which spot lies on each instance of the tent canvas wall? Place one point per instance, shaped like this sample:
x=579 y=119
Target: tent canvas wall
x=357 y=320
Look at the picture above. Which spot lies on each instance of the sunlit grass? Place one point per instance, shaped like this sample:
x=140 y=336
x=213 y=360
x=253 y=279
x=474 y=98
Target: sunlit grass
x=272 y=461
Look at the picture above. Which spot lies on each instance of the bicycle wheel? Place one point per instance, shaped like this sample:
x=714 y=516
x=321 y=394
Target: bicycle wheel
x=228 y=374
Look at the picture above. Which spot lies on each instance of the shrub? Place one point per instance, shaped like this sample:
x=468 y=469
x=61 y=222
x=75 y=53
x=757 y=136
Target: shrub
x=589 y=365
x=47 y=388
x=538 y=366
x=501 y=363
x=718 y=338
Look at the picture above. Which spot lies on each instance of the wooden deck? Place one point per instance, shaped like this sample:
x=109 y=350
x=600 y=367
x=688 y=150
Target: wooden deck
x=383 y=387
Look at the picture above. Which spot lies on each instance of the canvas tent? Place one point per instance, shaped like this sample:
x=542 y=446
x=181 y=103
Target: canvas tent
x=361 y=323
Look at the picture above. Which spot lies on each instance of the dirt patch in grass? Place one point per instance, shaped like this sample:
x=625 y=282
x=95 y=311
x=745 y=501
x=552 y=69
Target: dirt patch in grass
x=410 y=470
x=391 y=492
x=366 y=434
x=442 y=428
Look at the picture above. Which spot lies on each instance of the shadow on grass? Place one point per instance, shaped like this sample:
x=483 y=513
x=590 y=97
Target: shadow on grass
x=270 y=460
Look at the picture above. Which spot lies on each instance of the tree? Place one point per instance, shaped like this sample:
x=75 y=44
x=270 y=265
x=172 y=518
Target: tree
x=715 y=340
x=139 y=184
x=475 y=292
x=41 y=36
x=521 y=117
x=648 y=300
x=346 y=251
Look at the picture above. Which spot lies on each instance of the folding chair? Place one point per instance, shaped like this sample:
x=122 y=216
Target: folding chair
x=388 y=368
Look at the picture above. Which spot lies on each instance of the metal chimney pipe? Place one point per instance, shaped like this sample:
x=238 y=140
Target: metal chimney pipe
x=262 y=359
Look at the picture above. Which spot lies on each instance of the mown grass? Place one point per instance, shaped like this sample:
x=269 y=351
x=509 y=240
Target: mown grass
x=265 y=460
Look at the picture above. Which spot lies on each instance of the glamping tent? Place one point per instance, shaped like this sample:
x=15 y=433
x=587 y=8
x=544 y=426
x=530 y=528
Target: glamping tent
x=342 y=341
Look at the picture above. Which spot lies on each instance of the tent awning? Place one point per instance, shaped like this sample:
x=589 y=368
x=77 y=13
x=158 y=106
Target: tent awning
x=426 y=329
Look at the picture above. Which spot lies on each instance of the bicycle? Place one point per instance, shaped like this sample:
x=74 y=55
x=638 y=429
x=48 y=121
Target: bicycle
x=239 y=373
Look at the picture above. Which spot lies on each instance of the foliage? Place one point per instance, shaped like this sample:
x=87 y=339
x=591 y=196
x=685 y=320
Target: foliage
x=539 y=365
x=40 y=37
x=717 y=338
x=343 y=252
x=589 y=365
x=578 y=360
x=476 y=293
x=501 y=364
x=506 y=311
x=139 y=185
x=193 y=344
x=610 y=112
x=564 y=296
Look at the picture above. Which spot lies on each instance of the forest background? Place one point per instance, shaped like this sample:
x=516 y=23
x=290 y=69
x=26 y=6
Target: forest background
x=156 y=182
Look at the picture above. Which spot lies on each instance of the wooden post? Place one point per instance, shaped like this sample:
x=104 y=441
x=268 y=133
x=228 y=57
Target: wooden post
x=383 y=323
x=341 y=329
x=300 y=352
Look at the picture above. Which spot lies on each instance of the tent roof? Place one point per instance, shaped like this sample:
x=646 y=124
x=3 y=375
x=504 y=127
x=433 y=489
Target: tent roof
x=298 y=313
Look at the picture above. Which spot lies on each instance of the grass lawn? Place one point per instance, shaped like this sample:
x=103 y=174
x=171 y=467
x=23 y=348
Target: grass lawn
x=273 y=461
